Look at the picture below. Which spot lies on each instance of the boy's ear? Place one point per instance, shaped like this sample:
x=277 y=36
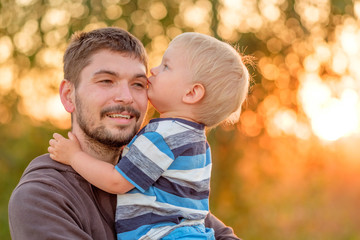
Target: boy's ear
x=194 y=94
x=67 y=92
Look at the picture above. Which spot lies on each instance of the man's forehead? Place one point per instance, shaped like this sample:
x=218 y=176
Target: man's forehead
x=116 y=62
x=108 y=52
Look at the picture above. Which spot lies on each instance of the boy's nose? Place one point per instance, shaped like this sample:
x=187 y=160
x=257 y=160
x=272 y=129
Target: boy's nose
x=154 y=71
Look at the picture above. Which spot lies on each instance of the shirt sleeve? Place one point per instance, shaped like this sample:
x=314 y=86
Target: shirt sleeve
x=222 y=232
x=146 y=160
x=37 y=211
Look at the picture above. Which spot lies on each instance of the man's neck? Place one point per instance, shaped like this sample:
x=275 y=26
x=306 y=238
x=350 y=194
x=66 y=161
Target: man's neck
x=101 y=151
x=98 y=150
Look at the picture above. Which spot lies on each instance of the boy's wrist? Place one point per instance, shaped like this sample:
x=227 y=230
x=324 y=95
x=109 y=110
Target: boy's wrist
x=74 y=157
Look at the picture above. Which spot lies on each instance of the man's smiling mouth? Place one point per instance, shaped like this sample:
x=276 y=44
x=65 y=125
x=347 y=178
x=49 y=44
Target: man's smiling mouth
x=123 y=112
x=118 y=115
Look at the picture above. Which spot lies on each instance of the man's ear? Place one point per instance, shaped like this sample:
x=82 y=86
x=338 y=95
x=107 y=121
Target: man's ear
x=194 y=94
x=67 y=92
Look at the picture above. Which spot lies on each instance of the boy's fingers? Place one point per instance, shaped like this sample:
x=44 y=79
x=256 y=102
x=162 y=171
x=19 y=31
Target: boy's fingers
x=52 y=156
x=52 y=142
x=71 y=136
x=51 y=150
x=57 y=136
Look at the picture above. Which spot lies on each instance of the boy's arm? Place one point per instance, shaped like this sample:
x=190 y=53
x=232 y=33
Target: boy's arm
x=222 y=231
x=99 y=173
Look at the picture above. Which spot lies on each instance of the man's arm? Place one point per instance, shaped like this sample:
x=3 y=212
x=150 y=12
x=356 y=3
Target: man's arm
x=222 y=232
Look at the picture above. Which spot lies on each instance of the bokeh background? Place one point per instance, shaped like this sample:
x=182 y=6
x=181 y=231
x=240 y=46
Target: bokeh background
x=288 y=170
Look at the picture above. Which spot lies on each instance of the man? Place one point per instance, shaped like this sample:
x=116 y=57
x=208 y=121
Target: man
x=105 y=91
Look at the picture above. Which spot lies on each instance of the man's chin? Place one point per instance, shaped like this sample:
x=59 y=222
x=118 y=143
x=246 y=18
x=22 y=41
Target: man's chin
x=110 y=143
x=113 y=138
x=120 y=137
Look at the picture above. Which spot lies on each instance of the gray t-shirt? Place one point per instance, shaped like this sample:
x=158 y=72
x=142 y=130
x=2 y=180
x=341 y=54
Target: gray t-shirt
x=52 y=201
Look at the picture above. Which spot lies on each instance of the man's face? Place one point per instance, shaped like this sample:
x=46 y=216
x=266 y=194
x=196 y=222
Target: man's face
x=111 y=99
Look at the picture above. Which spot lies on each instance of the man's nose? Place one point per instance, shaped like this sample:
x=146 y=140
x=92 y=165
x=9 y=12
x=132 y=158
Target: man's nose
x=123 y=94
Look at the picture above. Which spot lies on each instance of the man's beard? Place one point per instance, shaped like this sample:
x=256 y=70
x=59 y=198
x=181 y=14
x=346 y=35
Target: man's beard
x=102 y=135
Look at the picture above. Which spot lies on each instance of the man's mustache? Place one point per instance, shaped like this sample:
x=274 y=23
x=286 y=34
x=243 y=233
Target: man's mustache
x=119 y=109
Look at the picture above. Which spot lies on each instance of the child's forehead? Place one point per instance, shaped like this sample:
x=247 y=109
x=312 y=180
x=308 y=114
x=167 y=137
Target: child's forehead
x=174 y=50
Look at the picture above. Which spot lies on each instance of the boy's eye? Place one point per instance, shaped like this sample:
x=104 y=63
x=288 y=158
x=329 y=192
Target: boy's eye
x=166 y=66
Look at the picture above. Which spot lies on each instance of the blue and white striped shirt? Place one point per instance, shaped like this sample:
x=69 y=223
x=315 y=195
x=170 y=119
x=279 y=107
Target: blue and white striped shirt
x=169 y=163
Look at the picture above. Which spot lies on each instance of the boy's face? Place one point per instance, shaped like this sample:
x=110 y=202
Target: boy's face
x=170 y=81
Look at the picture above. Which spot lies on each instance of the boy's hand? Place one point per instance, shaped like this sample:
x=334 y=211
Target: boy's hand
x=64 y=150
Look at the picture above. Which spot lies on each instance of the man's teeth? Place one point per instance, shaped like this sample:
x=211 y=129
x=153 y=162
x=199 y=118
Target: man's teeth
x=119 y=116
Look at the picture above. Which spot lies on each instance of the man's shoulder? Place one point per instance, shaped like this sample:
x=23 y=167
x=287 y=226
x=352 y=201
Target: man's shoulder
x=46 y=175
x=53 y=196
x=42 y=166
x=45 y=162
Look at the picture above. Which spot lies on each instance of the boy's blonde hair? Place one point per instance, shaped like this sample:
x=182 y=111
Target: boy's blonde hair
x=220 y=69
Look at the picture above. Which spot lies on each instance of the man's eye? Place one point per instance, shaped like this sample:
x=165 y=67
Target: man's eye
x=140 y=85
x=105 y=81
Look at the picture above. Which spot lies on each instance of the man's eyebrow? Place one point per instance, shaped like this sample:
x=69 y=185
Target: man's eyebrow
x=140 y=75
x=106 y=72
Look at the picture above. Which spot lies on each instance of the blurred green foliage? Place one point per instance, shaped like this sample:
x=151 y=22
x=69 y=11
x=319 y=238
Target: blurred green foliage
x=22 y=141
x=265 y=184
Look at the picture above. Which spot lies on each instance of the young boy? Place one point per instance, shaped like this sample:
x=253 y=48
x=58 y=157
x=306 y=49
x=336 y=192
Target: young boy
x=165 y=170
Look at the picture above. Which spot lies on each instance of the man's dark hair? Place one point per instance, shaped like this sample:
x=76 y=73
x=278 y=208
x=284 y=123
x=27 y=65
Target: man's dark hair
x=84 y=44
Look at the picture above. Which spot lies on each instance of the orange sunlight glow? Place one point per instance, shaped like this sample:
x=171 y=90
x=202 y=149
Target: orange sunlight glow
x=6 y=76
x=39 y=100
x=332 y=102
x=196 y=15
x=331 y=117
x=239 y=15
x=6 y=48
